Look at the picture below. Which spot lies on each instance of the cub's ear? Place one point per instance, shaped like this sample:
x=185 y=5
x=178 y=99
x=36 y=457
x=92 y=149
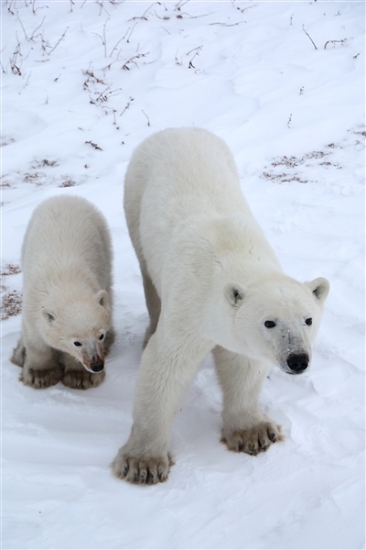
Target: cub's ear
x=48 y=315
x=102 y=298
x=234 y=294
x=319 y=287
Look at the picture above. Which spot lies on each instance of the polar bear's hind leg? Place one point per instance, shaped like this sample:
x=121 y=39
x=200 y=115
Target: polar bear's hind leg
x=153 y=305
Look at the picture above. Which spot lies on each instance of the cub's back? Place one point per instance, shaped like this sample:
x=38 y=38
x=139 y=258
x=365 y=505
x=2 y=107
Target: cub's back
x=65 y=229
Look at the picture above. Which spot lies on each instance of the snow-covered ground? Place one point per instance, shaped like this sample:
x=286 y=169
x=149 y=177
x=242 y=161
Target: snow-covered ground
x=283 y=83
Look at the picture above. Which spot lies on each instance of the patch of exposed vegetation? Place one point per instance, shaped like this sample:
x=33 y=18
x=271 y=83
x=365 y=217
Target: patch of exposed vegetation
x=10 y=269
x=291 y=166
x=11 y=303
x=6 y=140
x=43 y=162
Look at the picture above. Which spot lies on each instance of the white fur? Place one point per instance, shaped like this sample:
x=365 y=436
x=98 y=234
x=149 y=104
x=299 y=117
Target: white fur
x=211 y=281
x=66 y=263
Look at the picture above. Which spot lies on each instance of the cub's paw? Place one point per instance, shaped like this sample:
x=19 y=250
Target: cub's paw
x=253 y=441
x=41 y=378
x=143 y=471
x=18 y=355
x=82 y=379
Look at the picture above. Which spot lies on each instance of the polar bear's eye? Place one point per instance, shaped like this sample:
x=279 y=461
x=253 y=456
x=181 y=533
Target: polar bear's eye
x=269 y=324
x=309 y=321
x=77 y=344
x=101 y=337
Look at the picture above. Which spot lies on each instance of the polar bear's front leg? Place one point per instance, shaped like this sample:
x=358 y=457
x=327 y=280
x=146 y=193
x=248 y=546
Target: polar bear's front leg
x=77 y=377
x=163 y=381
x=246 y=429
x=41 y=368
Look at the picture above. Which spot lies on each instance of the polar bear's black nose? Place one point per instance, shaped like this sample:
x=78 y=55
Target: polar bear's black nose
x=298 y=362
x=97 y=367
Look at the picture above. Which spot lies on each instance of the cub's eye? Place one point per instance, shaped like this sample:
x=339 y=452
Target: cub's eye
x=101 y=337
x=269 y=324
x=77 y=344
x=309 y=321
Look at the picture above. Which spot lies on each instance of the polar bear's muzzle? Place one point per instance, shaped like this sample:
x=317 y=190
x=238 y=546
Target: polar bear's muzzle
x=297 y=363
x=93 y=362
x=97 y=366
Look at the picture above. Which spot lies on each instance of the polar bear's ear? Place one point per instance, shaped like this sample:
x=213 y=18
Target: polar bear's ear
x=49 y=316
x=102 y=298
x=234 y=294
x=319 y=287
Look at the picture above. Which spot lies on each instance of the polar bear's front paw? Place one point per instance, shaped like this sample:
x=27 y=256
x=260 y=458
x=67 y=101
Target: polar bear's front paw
x=144 y=471
x=82 y=379
x=252 y=441
x=40 y=378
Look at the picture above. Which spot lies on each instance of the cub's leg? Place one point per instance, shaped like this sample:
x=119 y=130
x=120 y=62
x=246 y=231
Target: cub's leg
x=77 y=377
x=40 y=368
x=18 y=355
x=108 y=340
x=163 y=381
x=153 y=304
x=246 y=429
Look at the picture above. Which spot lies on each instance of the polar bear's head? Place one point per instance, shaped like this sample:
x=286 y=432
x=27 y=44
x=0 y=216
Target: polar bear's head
x=276 y=320
x=79 y=327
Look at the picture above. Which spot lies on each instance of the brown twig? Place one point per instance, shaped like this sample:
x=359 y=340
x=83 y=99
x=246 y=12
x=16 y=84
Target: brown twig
x=309 y=37
x=342 y=41
x=94 y=145
x=148 y=120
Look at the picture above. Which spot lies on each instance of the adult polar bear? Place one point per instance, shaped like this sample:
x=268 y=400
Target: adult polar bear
x=211 y=282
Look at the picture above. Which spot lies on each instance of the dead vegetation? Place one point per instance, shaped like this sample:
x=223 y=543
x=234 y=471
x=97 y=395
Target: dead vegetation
x=67 y=182
x=6 y=140
x=10 y=269
x=11 y=303
x=42 y=163
x=11 y=300
x=94 y=145
x=39 y=178
x=290 y=169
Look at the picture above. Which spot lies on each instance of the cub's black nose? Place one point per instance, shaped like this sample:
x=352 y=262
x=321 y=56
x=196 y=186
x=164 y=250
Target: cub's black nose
x=97 y=367
x=298 y=362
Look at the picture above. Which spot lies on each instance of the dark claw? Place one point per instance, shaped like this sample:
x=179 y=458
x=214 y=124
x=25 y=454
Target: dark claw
x=252 y=450
x=240 y=446
x=150 y=478
x=272 y=437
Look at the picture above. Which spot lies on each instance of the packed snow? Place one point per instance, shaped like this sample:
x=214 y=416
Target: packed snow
x=83 y=83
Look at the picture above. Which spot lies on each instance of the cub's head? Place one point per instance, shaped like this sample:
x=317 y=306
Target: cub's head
x=277 y=320
x=79 y=327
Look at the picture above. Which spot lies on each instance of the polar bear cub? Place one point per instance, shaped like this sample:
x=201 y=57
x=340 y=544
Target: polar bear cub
x=212 y=282
x=66 y=318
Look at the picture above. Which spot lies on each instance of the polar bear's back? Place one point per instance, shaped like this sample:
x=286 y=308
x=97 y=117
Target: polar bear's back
x=63 y=230
x=174 y=176
x=179 y=181
x=183 y=170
